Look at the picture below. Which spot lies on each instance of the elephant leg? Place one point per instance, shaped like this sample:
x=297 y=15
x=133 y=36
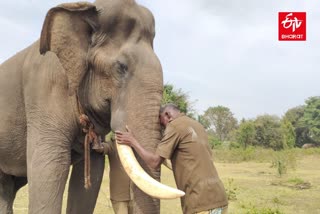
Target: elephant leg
x=48 y=168
x=9 y=185
x=80 y=200
x=19 y=182
x=7 y=193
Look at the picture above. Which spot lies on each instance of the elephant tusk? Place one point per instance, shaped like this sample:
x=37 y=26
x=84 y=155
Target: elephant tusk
x=143 y=180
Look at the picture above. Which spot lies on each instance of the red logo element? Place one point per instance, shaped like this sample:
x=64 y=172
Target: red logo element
x=292 y=26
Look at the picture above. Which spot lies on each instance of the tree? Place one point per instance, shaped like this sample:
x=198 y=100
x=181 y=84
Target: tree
x=246 y=133
x=268 y=132
x=203 y=121
x=294 y=116
x=221 y=120
x=311 y=118
x=288 y=134
x=177 y=97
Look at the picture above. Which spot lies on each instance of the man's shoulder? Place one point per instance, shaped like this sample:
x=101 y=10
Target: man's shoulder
x=179 y=119
x=176 y=125
x=185 y=125
x=179 y=125
x=183 y=121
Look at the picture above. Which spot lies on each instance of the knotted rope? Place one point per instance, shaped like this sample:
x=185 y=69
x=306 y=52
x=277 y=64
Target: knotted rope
x=91 y=137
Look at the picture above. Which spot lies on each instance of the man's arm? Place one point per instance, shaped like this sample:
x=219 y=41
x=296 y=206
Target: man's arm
x=153 y=160
x=106 y=148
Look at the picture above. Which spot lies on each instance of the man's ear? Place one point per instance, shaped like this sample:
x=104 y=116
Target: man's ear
x=67 y=32
x=169 y=115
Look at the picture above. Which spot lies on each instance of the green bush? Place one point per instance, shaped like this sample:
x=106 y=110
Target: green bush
x=248 y=154
x=214 y=141
x=231 y=190
x=280 y=165
x=282 y=160
x=288 y=157
x=235 y=155
x=310 y=151
x=296 y=181
x=234 y=145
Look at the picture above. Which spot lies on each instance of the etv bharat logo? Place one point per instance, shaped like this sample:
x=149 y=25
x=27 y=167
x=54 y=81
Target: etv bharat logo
x=292 y=26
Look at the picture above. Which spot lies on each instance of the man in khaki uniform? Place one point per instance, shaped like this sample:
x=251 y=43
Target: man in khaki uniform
x=185 y=142
x=120 y=194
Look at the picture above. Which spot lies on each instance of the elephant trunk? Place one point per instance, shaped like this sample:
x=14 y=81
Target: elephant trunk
x=142 y=117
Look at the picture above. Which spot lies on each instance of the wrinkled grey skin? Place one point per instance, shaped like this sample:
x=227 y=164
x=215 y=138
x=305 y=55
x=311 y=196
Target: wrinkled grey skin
x=107 y=60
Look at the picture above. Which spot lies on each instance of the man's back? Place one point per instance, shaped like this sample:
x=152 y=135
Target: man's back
x=185 y=142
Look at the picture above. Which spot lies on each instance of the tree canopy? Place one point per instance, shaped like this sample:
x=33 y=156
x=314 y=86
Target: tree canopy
x=179 y=98
x=221 y=121
x=294 y=116
x=246 y=133
x=311 y=118
x=268 y=132
x=176 y=96
x=300 y=125
x=288 y=134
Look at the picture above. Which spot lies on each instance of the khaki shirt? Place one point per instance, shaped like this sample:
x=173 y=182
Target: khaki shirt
x=119 y=180
x=185 y=142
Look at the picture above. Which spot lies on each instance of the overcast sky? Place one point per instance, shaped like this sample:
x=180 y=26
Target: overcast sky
x=222 y=52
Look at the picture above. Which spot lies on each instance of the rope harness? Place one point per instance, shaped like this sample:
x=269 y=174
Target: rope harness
x=90 y=138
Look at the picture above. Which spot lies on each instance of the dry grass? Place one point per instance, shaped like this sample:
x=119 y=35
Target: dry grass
x=255 y=185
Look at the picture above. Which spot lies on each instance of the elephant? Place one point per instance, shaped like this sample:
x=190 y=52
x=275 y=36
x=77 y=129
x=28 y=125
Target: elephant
x=95 y=58
x=308 y=146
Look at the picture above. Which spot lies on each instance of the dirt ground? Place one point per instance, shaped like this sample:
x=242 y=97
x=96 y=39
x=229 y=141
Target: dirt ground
x=254 y=188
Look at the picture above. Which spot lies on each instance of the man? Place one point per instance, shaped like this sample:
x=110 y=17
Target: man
x=120 y=193
x=185 y=142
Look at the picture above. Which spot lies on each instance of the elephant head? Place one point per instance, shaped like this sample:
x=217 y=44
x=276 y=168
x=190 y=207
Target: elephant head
x=106 y=50
x=107 y=53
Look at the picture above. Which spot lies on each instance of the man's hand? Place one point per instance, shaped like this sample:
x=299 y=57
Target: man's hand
x=126 y=138
x=152 y=159
x=99 y=149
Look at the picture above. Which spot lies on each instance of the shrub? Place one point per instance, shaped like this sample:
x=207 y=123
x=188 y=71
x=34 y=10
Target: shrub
x=296 y=180
x=231 y=190
x=310 y=151
x=280 y=165
x=283 y=160
x=234 y=145
x=235 y=155
x=214 y=141
x=246 y=133
x=298 y=183
x=223 y=153
x=248 y=154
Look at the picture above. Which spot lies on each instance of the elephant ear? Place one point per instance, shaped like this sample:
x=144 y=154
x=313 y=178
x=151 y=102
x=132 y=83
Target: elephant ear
x=67 y=32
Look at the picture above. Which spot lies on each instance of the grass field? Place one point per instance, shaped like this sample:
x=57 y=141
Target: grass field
x=253 y=186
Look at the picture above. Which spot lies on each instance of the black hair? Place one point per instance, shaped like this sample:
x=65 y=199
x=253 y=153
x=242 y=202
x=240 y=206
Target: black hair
x=169 y=106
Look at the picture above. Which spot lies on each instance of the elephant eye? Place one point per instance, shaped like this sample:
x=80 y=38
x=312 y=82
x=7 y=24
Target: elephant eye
x=122 y=68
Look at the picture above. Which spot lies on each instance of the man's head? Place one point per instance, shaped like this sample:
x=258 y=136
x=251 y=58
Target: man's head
x=168 y=113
